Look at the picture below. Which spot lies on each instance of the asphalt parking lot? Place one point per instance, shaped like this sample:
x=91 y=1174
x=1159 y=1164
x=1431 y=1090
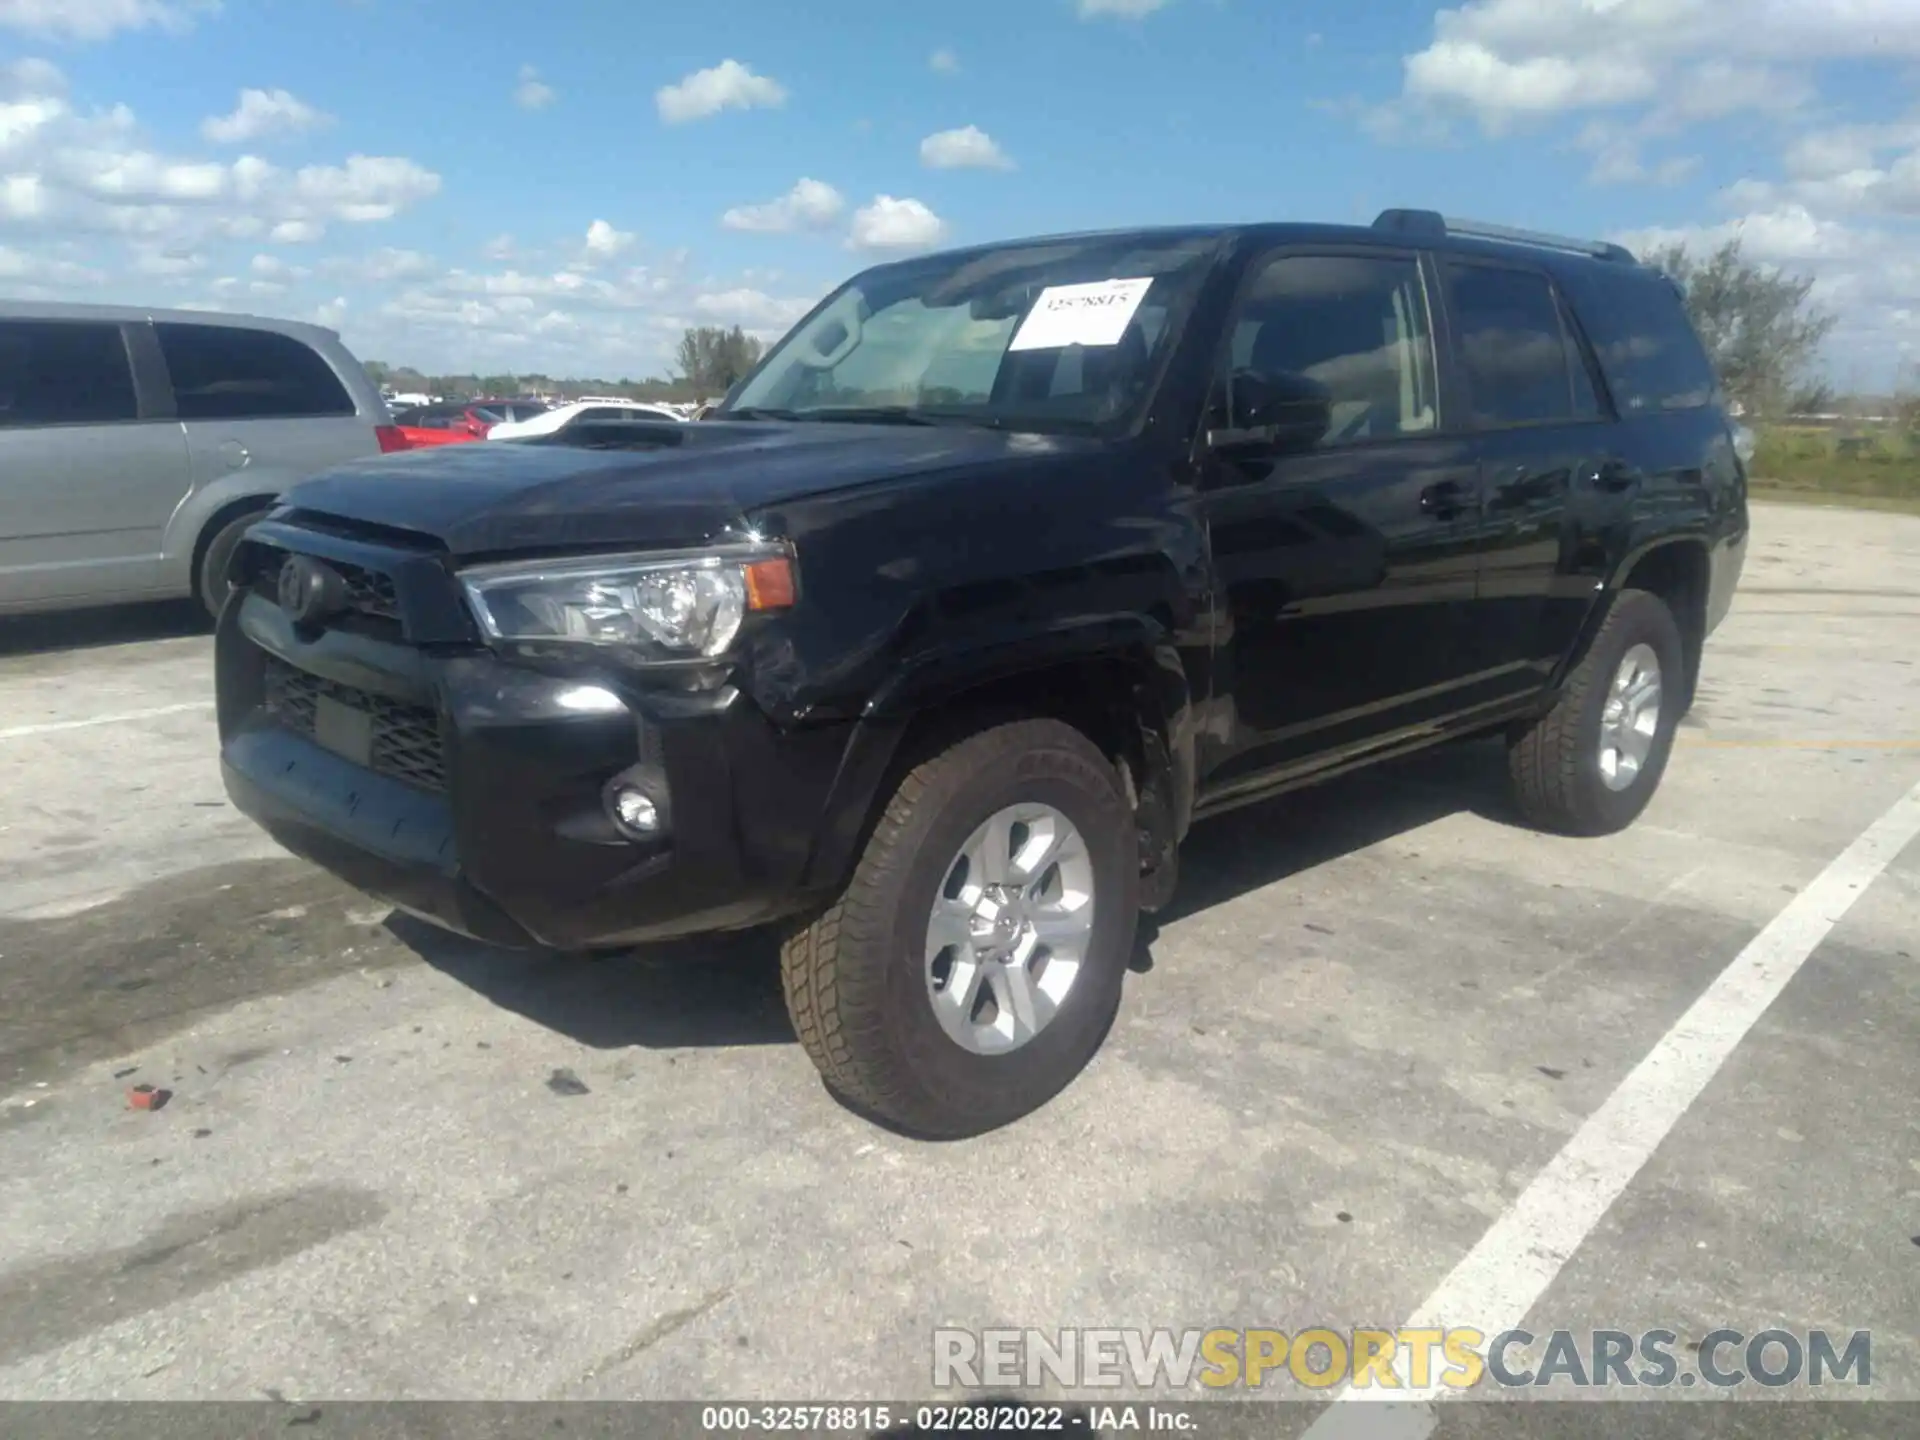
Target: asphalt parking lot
x=1378 y=1013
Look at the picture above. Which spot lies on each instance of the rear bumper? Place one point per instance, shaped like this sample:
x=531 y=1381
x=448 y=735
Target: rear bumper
x=1726 y=559
x=502 y=832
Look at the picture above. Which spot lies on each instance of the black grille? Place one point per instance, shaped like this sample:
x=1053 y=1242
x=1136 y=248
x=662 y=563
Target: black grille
x=406 y=738
x=368 y=591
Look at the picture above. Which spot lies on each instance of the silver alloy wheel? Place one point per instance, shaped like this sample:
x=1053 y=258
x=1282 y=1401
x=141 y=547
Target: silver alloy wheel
x=1009 y=930
x=1631 y=718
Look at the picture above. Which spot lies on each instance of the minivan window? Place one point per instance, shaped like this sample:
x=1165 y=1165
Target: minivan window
x=1646 y=345
x=59 y=372
x=1512 y=347
x=229 y=373
x=1354 y=330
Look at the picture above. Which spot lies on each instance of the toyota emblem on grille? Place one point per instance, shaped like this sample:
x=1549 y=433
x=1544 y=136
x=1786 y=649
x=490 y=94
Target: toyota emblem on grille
x=309 y=592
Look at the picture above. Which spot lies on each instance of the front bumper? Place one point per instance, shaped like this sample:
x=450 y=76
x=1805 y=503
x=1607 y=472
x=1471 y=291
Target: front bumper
x=472 y=793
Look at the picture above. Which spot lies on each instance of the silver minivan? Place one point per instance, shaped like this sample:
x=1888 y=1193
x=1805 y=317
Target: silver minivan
x=136 y=445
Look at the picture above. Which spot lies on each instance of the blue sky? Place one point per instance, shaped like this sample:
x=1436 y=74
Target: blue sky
x=562 y=188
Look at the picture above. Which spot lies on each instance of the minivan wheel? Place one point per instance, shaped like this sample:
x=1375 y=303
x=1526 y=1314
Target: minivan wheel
x=1590 y=765
x=210 y=585
x=973 y=964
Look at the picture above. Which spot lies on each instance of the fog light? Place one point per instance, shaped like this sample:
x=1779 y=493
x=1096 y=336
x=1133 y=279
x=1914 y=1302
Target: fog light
x=634 y=810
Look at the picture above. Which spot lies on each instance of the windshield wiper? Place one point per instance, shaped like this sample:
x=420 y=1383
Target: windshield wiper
x=868 y=415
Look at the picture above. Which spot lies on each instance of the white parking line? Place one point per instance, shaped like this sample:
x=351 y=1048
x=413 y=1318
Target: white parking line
x=1502 y=1277
x=54 y=727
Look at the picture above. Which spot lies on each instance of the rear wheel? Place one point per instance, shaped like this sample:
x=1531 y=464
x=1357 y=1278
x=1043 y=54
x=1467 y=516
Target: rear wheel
x=1590 y=765
x=971 y=968
x=210 y=584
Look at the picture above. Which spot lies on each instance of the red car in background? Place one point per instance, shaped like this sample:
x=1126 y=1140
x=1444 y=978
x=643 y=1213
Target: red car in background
x=456 y=423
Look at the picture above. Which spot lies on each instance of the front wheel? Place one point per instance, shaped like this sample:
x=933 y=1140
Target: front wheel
x=975 y=961
x=1590 y=765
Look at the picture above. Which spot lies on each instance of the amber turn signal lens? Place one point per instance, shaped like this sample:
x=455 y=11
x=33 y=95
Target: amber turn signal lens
x=770 y=584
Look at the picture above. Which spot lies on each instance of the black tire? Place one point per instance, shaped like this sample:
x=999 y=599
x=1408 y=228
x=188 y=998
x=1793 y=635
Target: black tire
x=855 y=977
x=210 y=584
x=1555 y=762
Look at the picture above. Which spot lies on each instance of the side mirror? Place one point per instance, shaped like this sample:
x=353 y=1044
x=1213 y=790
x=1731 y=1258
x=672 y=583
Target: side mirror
x=1280 y=414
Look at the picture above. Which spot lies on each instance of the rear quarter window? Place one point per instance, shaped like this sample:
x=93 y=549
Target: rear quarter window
x=228 y=373
x=1646 y=346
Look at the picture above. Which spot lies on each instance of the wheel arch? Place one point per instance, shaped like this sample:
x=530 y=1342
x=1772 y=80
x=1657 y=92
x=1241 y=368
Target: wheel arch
x=1676 y=568
x=231 y=511
x=1119 y=682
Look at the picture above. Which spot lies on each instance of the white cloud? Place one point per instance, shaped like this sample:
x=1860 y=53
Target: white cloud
x=727 y=86
x=1125 y=9
x=1846 y=170
x=92 y=207
x=95 y=19
x=810 y=205
x=1791 y=235
x=366 y=187
x=604 y=242
x=1505 y=61
x=164 y=264
x=1618 y=158
x=72 y=173
x=944 y=62
x=968 y=148
x=378 y=266
x=532 y=93
x=38 y=275
x=753 y=309
x=890 y=224
x=261 y=113
x=616 y=323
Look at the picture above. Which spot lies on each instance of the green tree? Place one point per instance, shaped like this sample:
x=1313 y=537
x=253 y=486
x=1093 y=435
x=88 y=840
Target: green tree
x=1761 y=325
x=712 y=359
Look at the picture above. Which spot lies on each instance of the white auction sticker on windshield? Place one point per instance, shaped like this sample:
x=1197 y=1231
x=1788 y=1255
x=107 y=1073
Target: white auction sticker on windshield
x=1096 y=314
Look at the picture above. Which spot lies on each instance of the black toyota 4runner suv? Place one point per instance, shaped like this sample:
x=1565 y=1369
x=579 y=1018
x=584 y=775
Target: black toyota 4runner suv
x=1001 y=570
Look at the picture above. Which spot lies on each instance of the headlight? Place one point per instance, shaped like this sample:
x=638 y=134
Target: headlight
x=678 y=607
x=1745 y=442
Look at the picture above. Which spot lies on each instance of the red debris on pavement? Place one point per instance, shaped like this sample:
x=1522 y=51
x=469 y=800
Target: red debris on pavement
x=147 y=1097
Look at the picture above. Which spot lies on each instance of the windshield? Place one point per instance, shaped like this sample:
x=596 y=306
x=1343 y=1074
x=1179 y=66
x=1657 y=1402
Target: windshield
x=1064 y=335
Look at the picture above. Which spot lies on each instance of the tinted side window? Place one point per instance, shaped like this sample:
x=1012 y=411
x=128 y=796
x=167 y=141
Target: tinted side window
x=226 y=373
x=56 y=372
x=1349 y=334
x=1646 y=345
x=1512 y=348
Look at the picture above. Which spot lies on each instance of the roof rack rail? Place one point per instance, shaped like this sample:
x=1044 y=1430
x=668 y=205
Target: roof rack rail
x=1433 y=225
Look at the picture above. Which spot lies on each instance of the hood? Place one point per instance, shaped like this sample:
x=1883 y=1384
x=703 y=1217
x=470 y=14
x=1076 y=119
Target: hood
x=502 y=497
